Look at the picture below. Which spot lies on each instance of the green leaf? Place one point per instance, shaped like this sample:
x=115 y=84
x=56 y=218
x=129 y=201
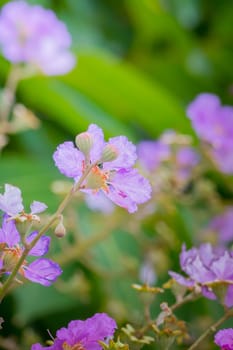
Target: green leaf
x=127 y=94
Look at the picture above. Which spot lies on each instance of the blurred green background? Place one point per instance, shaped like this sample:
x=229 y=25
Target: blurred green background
x=140 y=62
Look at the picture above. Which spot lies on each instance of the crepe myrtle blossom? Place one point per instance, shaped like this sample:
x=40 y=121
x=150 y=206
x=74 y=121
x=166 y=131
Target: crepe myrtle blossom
x=11 y=203
x=223 y=225
x=209 y=268
x=168 y=151
x=112 y=171
x=42 y=270
x=82 y=335
x=224 y=339
x=214 y=125
x=33 y=35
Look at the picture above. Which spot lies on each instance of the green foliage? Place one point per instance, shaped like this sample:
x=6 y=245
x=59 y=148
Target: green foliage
x=139 y=63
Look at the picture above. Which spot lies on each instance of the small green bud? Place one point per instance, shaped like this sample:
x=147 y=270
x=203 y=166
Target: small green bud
x=84 y=142
x=110 y=153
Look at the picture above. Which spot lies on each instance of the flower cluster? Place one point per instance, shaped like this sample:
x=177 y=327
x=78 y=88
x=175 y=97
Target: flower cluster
x=171 y=155
x=82 y=335
x=33 y=35
x=111 y=167
x=224 y=339
x=43 y=271
x=222 y=225
x=214 y=125
x=209 y=268
x=11 y=203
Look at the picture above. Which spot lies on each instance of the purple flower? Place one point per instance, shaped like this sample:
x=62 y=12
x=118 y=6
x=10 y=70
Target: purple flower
x=169 y=154
x=152 y=153
x=214 y=125
x=34 y=35
x=224 y=339
x=43 y=271
x=209 y=269
x=223 y=225
x=82 y=334
x=186 y=157
x=11 y=203
x=111 y=173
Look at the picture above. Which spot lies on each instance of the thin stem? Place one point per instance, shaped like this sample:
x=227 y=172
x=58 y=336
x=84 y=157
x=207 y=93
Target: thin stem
x=211 y=329
x=80 y=247
x=9 y=91
x=186 y=299
x=53 y=218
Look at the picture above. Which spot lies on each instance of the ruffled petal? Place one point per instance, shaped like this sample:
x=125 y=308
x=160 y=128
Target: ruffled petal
x=98 y=142
x=42 y=271
x=128 y=188
x=69 y=160
x=126 y=153
x=11 y=201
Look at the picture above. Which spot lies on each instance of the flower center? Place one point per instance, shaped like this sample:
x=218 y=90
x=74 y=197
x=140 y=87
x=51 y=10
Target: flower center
x=78 y=346
x=10 y=257
x=97 y=179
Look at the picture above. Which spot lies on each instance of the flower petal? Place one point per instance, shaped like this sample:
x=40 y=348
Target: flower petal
x=42 y=271
x=9 y=233
x=128 y=188
x=98 y=142
x=68 y=159
x=11 y=201
x=127 y=153
x=181 y=279
x=41 y=247
x=37 y=207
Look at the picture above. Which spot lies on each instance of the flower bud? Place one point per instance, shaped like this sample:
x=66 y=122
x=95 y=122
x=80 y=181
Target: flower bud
x=84 y=142
x=60 y=230
x=10 y=258
x=110 y=153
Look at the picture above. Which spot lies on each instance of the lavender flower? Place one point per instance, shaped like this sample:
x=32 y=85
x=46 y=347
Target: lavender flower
x=152 y=153
x=111 y=173
x=172 y=154
x=34 y=35
x=211 y=269
x=224 y=339
x=11 y=203
x=214 y=125
x=223 y=225
x=82 y=334
x=42 y=270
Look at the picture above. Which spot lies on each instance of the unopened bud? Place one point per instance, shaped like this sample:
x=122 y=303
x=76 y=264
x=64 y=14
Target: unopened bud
x=110 y=153
x=84 y=142
x=10 y=259
x=60 y=229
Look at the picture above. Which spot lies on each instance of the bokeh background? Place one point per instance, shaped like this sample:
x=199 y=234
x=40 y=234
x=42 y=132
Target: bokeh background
x=139 y=63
